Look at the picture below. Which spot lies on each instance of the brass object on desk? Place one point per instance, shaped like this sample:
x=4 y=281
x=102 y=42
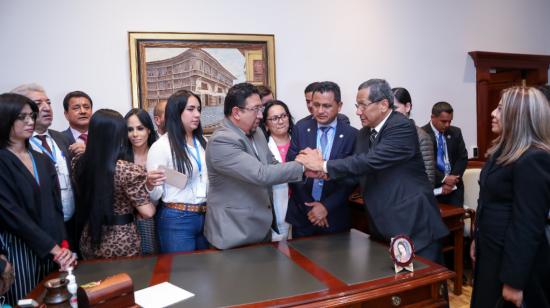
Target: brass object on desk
x=57 y=294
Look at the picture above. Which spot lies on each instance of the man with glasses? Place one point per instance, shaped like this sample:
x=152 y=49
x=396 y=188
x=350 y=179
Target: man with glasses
x=387 y=161
x=55 y=146
x=78 y=111
x=317 y=206
x=241 y=172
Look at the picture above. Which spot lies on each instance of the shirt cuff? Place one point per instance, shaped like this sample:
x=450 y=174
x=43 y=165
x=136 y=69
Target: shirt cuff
x=325 y=167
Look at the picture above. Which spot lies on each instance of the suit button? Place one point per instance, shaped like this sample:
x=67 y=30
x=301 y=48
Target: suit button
x=269 y=207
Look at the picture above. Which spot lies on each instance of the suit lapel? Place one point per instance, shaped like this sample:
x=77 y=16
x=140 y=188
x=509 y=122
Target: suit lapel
x=338 y=140
x=311 y=134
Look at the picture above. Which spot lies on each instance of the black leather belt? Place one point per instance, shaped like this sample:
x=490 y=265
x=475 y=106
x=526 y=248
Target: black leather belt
x=118 y=220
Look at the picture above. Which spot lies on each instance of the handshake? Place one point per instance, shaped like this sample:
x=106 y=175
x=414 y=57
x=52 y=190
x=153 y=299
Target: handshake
x=313 y=162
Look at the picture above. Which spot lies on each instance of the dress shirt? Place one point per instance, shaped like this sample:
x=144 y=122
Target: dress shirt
x=67 y=196
x=77 y=134
x=446 y=156
x=160 y=154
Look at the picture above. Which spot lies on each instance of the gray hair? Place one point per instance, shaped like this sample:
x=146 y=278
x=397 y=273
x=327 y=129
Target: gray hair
x=25 y=89
x=379 y=89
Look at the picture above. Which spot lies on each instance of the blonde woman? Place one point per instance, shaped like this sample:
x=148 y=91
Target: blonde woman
x=510 y=251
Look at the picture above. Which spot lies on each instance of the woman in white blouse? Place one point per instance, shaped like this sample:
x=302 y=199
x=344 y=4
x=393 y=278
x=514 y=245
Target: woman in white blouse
x=180 y=219
x=278 y=123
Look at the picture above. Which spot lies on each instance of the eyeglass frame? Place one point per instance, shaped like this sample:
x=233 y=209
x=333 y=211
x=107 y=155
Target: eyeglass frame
x=257 y=109
x=275 y=119
x=363 y=106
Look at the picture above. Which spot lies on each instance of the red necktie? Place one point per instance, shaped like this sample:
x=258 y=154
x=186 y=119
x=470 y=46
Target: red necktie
x=83 y=137
x=44 y=143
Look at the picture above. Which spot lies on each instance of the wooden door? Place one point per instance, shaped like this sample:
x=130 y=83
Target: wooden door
x=496 y=72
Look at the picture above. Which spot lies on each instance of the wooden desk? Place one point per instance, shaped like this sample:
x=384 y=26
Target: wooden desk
x=346 y=269
x=453 y=217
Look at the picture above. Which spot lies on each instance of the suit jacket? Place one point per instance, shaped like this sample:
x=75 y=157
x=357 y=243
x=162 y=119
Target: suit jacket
x=458 y=159
x=69 y=135
x=31 y=212
x=335 y=194
x=511 y=247
x=239 y=192
x=397 y=194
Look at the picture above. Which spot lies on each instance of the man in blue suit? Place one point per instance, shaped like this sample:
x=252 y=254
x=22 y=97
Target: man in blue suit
x=318 y=206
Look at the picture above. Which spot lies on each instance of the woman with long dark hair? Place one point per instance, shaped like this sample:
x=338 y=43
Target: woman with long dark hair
x=180 y=221
x=108 y=190
x=31 y=214
x=278 y=123
x=141 y=135
x=510 y=250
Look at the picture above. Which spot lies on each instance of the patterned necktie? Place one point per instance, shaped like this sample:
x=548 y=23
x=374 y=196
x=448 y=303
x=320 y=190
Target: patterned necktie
x=317 y=189
x=45 y=144
x=83 y=137
x=372 y=137
x=441 y=153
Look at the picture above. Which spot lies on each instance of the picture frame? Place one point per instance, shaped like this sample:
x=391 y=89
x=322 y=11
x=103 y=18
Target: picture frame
x=207 y=64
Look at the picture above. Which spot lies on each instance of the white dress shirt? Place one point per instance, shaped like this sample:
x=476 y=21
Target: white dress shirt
x=67 y=196
x=160 y=154
x=77 y=134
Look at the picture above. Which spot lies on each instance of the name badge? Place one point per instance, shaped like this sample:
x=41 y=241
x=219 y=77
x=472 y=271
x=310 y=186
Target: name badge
x=63 y=181
x=200 y=190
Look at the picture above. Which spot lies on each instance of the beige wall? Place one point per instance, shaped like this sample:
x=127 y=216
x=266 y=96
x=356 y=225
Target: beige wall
x=421 y=45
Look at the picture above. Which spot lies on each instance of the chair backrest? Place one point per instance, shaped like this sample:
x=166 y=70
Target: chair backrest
x=471 y=193
x=471 y=187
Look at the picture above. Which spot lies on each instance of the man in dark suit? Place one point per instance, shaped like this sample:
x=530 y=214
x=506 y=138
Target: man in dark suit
x=315 y=206
x=78 y=111
x=450 y=155
x=397 y=193
x=55 y=146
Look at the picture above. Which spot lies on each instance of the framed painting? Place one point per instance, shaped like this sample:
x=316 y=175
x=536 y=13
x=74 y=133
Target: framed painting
x=206 y=64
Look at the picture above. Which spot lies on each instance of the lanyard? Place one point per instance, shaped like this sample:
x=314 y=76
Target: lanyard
x=35 y=169
x=52 y=156
x=197 y=158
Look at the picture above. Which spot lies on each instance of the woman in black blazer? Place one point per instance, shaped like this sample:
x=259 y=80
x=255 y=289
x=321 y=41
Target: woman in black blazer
x=510 y=250
x=31 y=215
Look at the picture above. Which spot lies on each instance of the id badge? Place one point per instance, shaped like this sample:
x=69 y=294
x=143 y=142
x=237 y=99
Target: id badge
x=63 y=181
x=200 y=189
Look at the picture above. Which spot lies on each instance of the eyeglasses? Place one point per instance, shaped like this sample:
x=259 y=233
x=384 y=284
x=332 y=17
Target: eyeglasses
x=363 y=106
x=26 y=116
x=278 y=118
x=257 y=109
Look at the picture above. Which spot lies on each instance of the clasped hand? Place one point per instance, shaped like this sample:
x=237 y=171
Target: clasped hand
x=312 y=160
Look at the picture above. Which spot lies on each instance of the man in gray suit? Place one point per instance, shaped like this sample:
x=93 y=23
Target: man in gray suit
x=241 y=171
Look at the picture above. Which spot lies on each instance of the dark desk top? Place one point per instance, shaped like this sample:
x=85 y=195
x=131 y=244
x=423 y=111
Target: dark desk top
x=351 y=257
x=302 y=271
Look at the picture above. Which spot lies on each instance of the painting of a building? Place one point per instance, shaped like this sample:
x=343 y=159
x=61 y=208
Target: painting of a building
x=194 y=70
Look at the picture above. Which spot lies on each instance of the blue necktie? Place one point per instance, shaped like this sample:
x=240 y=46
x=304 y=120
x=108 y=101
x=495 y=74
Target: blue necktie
x=317 y=189
x=441 y=153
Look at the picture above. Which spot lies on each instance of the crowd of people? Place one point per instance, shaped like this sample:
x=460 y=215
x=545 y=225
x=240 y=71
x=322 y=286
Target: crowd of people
x=112 y=186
